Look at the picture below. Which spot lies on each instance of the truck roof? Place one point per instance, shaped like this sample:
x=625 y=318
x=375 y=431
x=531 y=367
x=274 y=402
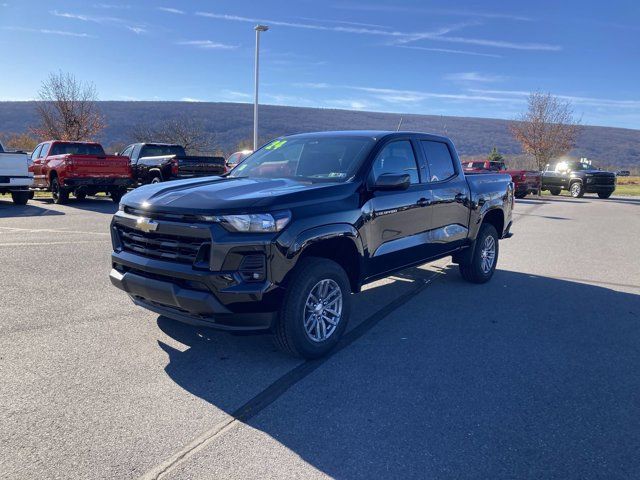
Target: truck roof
x=375 y=134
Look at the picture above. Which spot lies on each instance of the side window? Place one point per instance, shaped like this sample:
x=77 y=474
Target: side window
x=127 y=151
x=135 y=153
x=397 y=157
x=36 y=153
x=439 y=160
x=45 y=150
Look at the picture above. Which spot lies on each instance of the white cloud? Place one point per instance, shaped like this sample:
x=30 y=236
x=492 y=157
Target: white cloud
x=191 y=100
x=578 y=100
x=208 y=45
x=311 y=85
x=433 y=11
x=447 y=50
x=171 y=10
x=137 y=30
x=235 y=95
x=50 y=32
x=111 y=6
x=399 y=36
x=473 y=77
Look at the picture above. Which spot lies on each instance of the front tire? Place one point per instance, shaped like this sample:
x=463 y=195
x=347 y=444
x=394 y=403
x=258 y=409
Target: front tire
x=482 y=265
x=576 y=189
x=316 y=308
x=80 y=195
x=59 y=194
x=604 y=194
x=555 y=191
x=20 y=197
x=521 y=195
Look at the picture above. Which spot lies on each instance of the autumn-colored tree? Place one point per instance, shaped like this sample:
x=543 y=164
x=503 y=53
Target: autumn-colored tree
x=67 y=109
x=548 y=129
x=184 y=131
x=20 y=141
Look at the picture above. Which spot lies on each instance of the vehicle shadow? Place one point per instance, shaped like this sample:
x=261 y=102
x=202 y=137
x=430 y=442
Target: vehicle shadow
x=92 y=204
x=526 y=376
x=629 y=200
x=535 y=201
x=31 y=209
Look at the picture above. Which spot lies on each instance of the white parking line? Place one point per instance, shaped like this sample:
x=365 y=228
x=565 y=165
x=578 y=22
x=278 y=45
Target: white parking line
x=50 y=230
x=27 y=244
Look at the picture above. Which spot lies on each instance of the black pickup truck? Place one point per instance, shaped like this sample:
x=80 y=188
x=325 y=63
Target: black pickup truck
x=281 y=242
x=158 y=162
x=579 y=178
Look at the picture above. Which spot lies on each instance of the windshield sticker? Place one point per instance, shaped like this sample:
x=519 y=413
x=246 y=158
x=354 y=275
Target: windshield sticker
x=276 y=144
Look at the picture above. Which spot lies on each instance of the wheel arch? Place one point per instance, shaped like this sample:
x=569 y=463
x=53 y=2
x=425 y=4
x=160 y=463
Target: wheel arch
x=338 y=242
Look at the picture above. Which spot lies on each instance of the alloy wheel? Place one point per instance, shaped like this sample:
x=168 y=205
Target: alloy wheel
x=322 y=310
x=488 y=254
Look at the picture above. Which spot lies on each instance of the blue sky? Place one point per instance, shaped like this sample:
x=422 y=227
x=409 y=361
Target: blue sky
x=442 y=58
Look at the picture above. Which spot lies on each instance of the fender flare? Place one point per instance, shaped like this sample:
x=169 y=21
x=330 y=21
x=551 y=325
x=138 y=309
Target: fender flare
x=313 y=235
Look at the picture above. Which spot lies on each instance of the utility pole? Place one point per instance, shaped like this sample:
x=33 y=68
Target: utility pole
x=258 y=29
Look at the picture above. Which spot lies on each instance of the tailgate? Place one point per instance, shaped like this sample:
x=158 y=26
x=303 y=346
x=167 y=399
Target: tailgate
x=98 y=166
x=201 y=166
x=14 y=165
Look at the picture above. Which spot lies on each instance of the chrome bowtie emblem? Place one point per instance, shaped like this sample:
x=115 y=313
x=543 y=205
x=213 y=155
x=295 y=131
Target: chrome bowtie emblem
x=146 y=224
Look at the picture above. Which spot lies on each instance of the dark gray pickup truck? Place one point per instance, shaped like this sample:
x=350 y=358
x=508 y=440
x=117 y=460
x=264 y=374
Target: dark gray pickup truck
x=282 y=242
x=159 y=162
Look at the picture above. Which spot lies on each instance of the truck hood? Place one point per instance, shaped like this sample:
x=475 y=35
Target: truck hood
x=232 y=195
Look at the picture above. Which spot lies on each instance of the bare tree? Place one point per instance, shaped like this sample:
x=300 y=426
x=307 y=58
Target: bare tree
x=547 y=129
x=67 y=109
x=184 y=131
x=20 y=141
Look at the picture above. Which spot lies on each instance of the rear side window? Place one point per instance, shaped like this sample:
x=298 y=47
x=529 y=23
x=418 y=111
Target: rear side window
x=397 y=157
x=45 y=150
x=72 y=148
x=36 y=152
x=439 y=160
x=162 y=150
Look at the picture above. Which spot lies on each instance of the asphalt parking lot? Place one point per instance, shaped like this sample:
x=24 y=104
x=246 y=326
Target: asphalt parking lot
x=534 y=375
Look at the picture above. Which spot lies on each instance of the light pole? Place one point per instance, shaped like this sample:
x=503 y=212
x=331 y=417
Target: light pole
x=258 y=29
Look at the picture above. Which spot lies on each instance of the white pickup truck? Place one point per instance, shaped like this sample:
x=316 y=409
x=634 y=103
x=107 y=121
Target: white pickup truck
x=15 y=177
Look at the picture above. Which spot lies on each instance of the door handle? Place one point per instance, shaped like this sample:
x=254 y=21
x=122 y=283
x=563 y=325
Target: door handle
x=424 y=202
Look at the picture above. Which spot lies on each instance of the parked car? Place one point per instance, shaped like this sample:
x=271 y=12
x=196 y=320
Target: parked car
x=282 y=241
x=15 y=177
x=159 y=162
x=579 y=178
x=525 y=181
x=237 y=157
x=80 y=168
x=623 y=173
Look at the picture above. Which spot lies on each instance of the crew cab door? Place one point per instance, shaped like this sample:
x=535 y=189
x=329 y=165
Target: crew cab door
x=38 y=166
x=396 y=219
x=450 y=198
x=556 y=175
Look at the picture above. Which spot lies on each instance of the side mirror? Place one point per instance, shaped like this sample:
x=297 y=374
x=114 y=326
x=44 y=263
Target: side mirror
x=392 y=181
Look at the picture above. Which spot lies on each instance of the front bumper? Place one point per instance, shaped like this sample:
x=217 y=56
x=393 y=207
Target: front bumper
x=590 y=188
x=210 y=293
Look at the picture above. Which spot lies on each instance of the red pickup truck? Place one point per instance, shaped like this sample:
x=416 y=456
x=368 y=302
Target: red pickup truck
x=524 y=181
x=81 y=168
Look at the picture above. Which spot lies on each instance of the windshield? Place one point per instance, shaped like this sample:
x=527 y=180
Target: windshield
x=582 y=166
x=77 y=149
x=162 y=150
x=316 y=159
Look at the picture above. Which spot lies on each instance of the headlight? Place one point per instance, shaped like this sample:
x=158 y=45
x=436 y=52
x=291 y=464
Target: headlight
x=255 y=222
x=121 y=207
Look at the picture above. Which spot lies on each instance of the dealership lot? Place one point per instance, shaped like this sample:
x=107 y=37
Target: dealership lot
x=534 y=374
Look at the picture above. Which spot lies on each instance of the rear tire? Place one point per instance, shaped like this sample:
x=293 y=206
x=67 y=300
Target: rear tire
x=155 y=177
x=604 y=195
x=576 y=189
x=555 y=191
x=80 y=195
x=59 y=194
x=20 y=197
x=316 y=309
x=521 y=195
x=482 y=265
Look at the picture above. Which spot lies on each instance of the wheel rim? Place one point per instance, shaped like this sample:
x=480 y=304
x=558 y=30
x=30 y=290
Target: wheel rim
x=488 y=254
x=575 y=189
x=155 y=180
x=323 y=310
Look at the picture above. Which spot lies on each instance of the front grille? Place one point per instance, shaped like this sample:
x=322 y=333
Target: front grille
x=604 y=180
x=161 y=246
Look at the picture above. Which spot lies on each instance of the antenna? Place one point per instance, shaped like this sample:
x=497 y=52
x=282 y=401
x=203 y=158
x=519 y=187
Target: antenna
x=399 y=125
